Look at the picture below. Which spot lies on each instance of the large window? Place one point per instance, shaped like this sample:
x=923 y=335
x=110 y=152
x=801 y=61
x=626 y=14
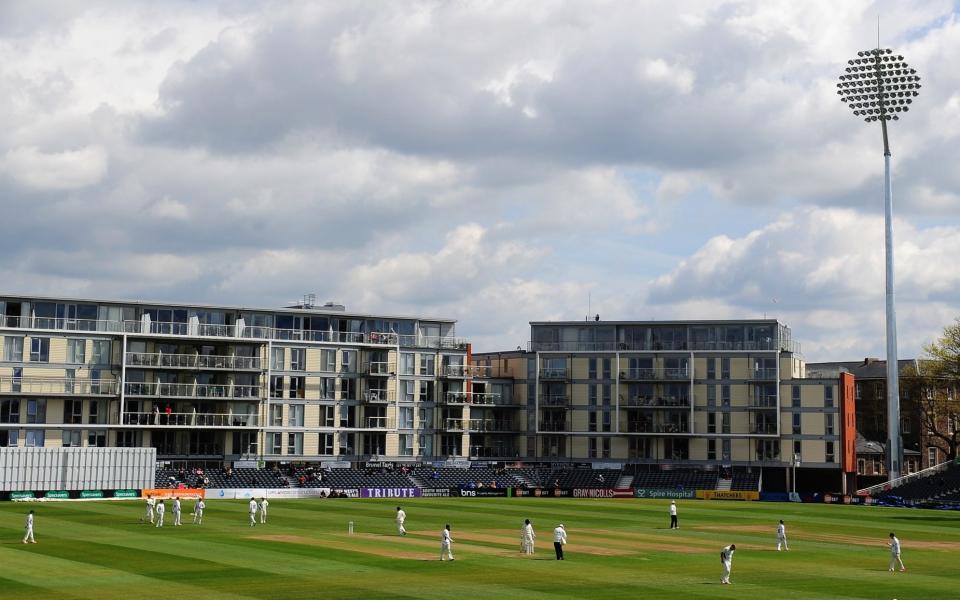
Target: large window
x=34 y=438
x=796 y=423
x=407 y=361
x=37 y=411
x=276 y=386
x=276 y=415
x=828 y=422
x=10 y=411
x=348 y=361
x=326 y=443
x=328 y=388
x=348 y=389
x=795 y=396
x=829 y=451
x=295 y=415
x=9 y=438
x=405 y=414
x=297 y=387
x=406 y=444
x=276 y=359
x=298 y=359
x=76 y=351
x=295 y=443
x=428 y=365
x=13 y=349
x=71 y=438
x=408 y=390
x=40 y=350
x=129 y=439
x=73 y=412
x=828 y=396
x=97 y=438
x=102 y=351
x=275 y=443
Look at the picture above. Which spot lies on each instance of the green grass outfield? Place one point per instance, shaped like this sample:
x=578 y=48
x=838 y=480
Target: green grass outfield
x=617 y=549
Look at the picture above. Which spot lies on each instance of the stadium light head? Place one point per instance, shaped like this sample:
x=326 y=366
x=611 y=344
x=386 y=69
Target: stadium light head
x=878 y=85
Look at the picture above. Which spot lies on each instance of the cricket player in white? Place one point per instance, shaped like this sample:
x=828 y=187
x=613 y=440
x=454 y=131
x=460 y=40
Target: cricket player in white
x=176 y=511
x=726 y=559
x=28 y=536
x=150 y=504
x=895 y=553
x=160 y=510
x=253 y=512
x=527 y=537
x=263 y=509
x=198 y=511
x=673 y=516
x=401 y=517
x=446 y=543
x=782 y=536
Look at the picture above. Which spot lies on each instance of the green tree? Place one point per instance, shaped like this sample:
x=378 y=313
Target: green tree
x=935 y=386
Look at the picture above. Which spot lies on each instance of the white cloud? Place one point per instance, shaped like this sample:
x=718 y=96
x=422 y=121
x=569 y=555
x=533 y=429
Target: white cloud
x=64 y=170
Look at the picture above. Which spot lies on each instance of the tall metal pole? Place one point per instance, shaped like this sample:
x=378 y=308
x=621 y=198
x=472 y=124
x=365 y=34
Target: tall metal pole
x=894 y=445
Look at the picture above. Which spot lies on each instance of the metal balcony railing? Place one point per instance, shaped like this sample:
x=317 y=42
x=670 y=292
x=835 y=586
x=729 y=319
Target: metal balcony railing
x=765 y=374
x=658 y=402
x=59 y=386
x=378 y=423
x=553 y=426
x=485 y=425
x=191 y=419
x=454 y=425
x=482 y=398
x=763 y=402
x=553 y=372
x=763 y=428
x=193 y=390
x=192 y=361
x=377 y=396
x=379 y=368
x=554 y=400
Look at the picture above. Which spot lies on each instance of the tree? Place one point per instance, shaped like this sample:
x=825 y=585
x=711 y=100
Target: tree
x=934 y=384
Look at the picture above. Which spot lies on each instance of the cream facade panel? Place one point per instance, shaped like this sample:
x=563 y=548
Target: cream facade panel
x=811 y=396
x=812 y=423
x=813 y=451
x=311 y=444
x=58 y=350
x=578 y=368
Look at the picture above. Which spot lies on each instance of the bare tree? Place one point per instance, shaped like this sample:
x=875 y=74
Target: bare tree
x=934 y=384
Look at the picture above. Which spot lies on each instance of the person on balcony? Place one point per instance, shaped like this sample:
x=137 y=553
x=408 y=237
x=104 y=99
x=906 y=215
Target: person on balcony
x=156 y=414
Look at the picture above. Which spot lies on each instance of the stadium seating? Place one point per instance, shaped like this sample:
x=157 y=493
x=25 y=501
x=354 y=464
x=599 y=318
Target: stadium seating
x=743 y=481
x=686 y=479
x=170 y=477
x=453 y=477
x=943 y=486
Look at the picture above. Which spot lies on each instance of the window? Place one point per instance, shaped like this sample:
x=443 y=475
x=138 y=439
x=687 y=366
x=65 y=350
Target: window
x=829 y=451
x=295 y=443
x=37 y=411
x=426 y=391
x=725 y=450
x=276 y=415
x=40 y=350
x=297 y=386
x=129 y=439
x=712 y=374
x=725 y=423
x=857 y=391
x=711 y=444
x=298 y=359
x=276 y=359
x=828 y=423
x=326 y=443
x=327 y=416
x=348 y=361
x=276 y=386
x=275 y=443
x=348 y=389
x=71 y=438
x=592 y=421
x=294 y=415
x=97 y=438
x=9 y=411
x=905 y=424
x=711 y=422
x=796 y=423
x=13 y=349
x=592 y=368
x=592 y=394
x=405 y=414
x=724 y=368
x=426 y=445
x=952 y=424
x=73 y=412
x=428 y=365
x=102 y=352
x=607 y=394
x=75 y=351
x=725 y=395
x=795 y=396
x=711 y=395
x=406 y=363
x=34 y=438
x=9 y=438
x=932 y=456
x=408 y=390
x=406 y=444
x=607 y=364
x=17 y=381
x=796 y=448
x=828 y=396
x=328 y=388
x=328 y=360
x=606 y=447
x=861 y=466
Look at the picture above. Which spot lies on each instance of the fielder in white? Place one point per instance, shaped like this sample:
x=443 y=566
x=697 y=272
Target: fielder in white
x=726 y=559
x=28 y=536
x=559 y=540
x=198 y=511
x=895 y=553
x=160 y=510
x=446 y=543
x=263 y=509
x=527 y=537
x=401 y=517
x=673 y=515
x=253 y=512
x=782 y=536
x=150 y=504
x=176 y=512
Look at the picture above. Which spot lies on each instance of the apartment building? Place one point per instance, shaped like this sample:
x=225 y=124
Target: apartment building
x=222 y=383
x=713 y=394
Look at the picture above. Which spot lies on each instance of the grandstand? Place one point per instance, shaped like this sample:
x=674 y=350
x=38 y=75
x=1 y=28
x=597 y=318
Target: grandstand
x=938 y=486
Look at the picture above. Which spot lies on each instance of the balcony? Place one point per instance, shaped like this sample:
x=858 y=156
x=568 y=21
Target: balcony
x=378 y=423
x=59 y=386
x=191 y=419
x=647 y=426
x=377 y=396
x=553 y=426
x=764 y=428
x=554 y=373
x=555 y=400
x=481 y=451
x=193 y=361
x=658 y=402
x=766 y=374
x=379 y=368
x=454 y=425
x=480 y=398
x=194 y=390
x=763 y=402
x=489 y=425
x=648 y=374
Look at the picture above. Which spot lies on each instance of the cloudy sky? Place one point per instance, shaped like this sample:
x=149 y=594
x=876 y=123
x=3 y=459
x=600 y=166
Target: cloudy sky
x=493 y=162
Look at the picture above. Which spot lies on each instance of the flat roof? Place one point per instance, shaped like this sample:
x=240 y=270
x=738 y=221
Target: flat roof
x=684 y=322
x=146 y=303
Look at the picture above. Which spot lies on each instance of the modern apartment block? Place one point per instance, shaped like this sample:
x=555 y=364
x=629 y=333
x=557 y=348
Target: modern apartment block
x=230 y=383
x=713 y=394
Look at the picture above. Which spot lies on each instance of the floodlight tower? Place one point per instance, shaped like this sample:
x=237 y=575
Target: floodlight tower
x=878 y=85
